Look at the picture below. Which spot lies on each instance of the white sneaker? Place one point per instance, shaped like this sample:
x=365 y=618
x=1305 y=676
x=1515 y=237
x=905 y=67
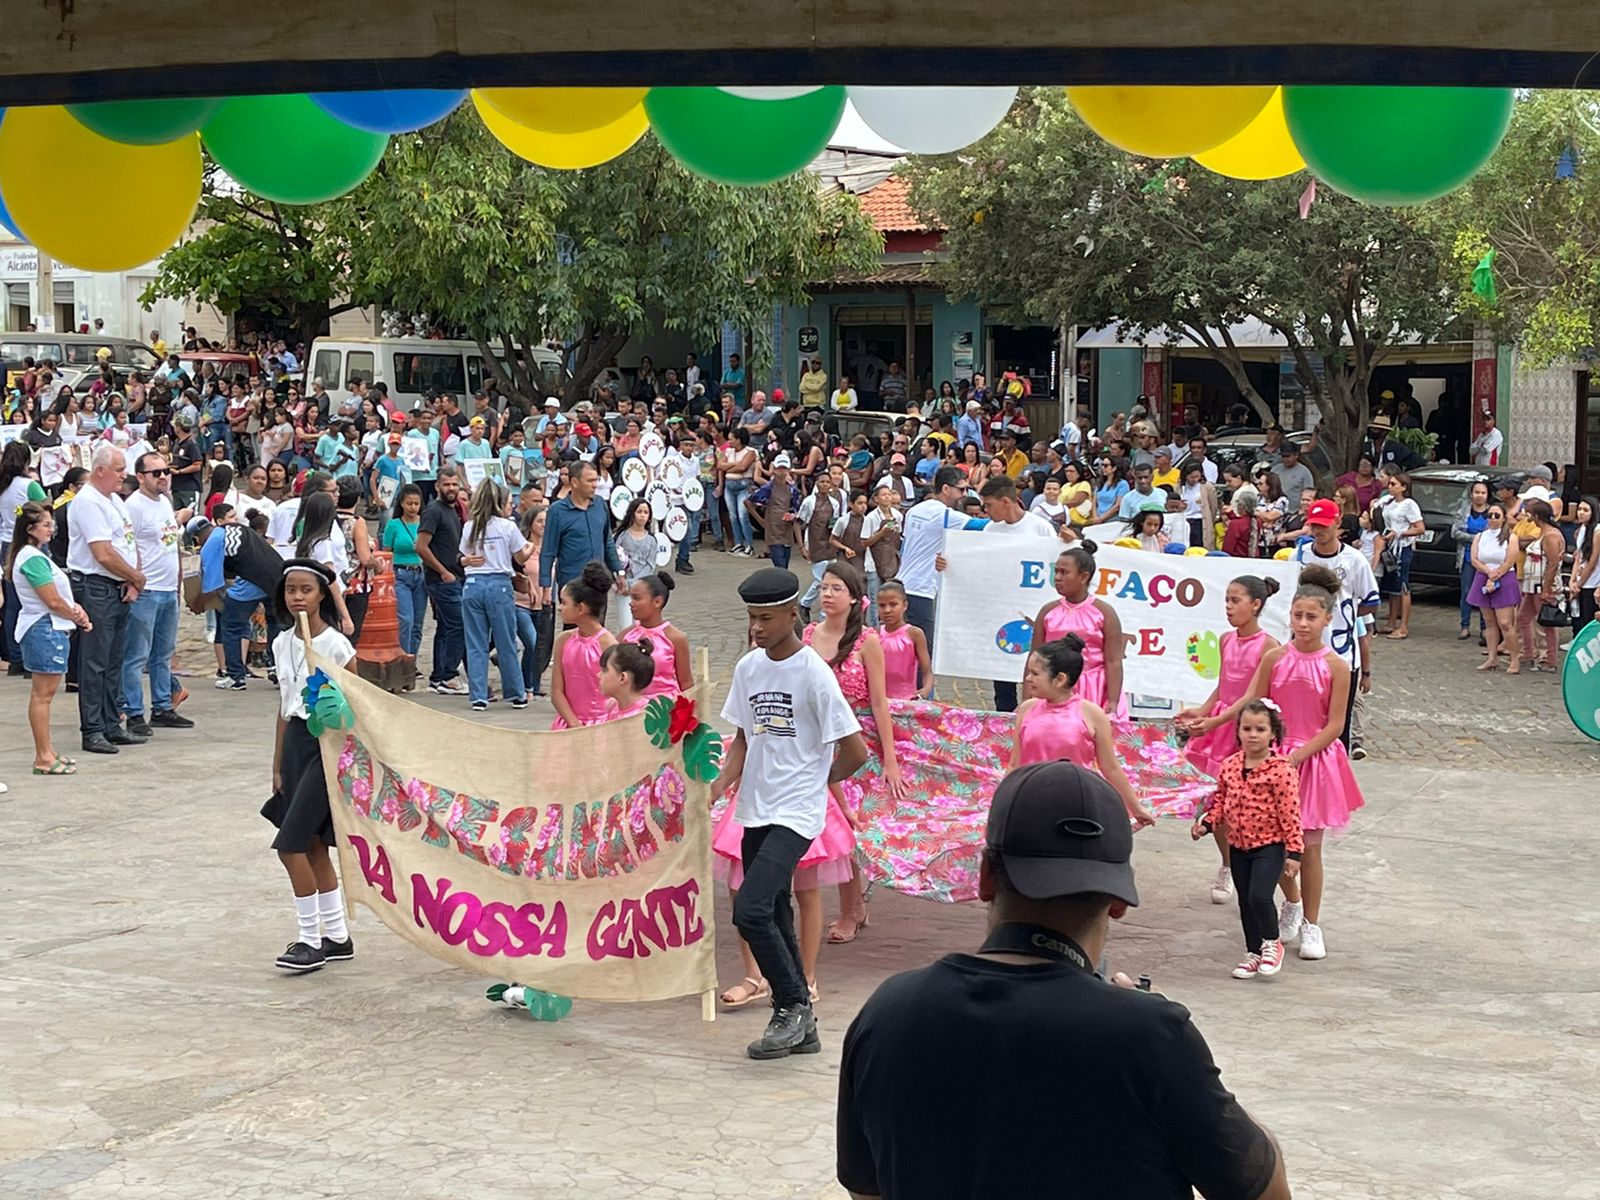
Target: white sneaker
x=1311 y=942
x=1290 y=918
x=1222 y=886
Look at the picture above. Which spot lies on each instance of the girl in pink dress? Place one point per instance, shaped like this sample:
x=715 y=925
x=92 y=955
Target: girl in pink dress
x=575 y=660
x=1092 y=620
x=905 y=649
x=1056 y=723
x=626 y=669
x=1242 y=648
x=668 y=647
x=1311 y=686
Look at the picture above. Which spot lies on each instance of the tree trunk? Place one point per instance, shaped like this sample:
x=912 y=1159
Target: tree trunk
x=598 y=348
x=1342 y=397
x=311 y=322
x=1233 y=363
x=512 y=378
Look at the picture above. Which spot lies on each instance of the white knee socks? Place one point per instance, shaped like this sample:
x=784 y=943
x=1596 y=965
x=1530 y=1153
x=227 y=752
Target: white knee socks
x=305 y=912
x=330 y=907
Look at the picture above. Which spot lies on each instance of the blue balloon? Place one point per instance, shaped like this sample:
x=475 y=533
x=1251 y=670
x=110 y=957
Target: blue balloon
x=389 y=112
x=5 y=214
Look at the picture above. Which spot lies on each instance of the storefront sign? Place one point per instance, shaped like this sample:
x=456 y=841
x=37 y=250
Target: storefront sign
x=1580 y=681
x=810 y=339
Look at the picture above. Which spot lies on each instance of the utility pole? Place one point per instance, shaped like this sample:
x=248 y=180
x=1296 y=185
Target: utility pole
x=44 y=304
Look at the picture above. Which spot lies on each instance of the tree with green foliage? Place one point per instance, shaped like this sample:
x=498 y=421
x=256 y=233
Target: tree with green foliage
x=286 y=260
x=1536 y=205
x=1045 y=221
x=491 y=248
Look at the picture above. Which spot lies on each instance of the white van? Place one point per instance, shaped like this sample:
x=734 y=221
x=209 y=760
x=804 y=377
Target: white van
x=412 y=368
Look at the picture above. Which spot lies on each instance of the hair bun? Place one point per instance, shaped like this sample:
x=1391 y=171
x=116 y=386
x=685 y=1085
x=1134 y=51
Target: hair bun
x=1073 y=640
x=646 y=646
x=596 y=576
x=667 y=581
x=1272 y=585
x=1089 y=544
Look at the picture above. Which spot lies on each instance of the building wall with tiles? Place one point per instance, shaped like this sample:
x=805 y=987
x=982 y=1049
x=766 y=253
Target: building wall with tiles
x=1544 y=415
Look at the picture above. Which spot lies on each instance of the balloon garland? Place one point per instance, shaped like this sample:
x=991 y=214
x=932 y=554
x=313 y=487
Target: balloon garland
x=1383 y=145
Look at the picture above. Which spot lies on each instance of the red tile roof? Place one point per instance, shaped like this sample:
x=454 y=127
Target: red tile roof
x=888 y=207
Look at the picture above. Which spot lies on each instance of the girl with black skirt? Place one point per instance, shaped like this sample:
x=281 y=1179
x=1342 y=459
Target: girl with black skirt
x=299 y=803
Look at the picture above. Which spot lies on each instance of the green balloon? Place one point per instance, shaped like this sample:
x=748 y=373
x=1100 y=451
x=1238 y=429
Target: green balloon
x=145 y=122
x=1396 y=145
x=286 y=148
x=730 y=139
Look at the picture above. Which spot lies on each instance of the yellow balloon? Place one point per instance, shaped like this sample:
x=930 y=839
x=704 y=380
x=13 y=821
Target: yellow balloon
x=563 y=109
x=1263 y=149
x=565 y=151
x=153 y=190
x=1164 y=122
x=1128 y=543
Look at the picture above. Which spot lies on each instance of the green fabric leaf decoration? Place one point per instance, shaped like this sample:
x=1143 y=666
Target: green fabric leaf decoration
x=658 y=722
x=332 y=709
x=1483 y=279
x=702 y=754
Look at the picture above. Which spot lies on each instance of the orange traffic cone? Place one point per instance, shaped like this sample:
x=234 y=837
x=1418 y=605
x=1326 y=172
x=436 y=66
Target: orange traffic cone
x=379 y=658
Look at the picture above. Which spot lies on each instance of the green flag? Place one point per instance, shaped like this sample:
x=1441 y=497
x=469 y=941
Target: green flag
x=1483 y=279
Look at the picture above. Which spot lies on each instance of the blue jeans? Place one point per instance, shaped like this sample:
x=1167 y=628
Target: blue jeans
x=734 y=492
x=712 y=513
x=489 y=612
x=780 y=555
x=449 y=641
x=234 y=630
x=809 y=600
x=1468 y=573
x=152 y=637
x=411 y=605
x=528 y=635
x=686 y=547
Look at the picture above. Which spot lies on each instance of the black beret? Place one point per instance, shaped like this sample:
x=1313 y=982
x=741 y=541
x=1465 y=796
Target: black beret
x=770 y=586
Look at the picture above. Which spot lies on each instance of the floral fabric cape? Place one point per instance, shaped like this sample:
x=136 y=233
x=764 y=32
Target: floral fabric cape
x=951 y=760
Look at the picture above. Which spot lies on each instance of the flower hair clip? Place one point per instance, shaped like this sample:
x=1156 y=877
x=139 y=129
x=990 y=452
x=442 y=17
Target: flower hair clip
x=1272 y=704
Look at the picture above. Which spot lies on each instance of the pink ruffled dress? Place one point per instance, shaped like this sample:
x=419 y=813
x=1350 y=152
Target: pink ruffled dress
x=1240 y=658
x=580 y=678
x=1051 y=731
x=899 y=663
x=1301 y=687
x=1087 y=621
x=829 y=860
x=665 y=680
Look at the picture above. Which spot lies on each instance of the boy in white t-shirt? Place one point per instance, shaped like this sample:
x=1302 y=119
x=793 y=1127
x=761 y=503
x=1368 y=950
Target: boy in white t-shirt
x=795 y=735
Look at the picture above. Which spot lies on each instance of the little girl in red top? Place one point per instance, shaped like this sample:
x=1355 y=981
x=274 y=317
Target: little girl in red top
x=1257 y=804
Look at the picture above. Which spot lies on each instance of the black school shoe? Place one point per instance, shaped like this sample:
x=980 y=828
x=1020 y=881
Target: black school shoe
x=139 y=727
x=338 y=951
x=792 y=1030
x=168 y=719
x=301 y=957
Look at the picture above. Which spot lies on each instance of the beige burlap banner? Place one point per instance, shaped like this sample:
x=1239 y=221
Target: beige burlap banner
x=576 y=862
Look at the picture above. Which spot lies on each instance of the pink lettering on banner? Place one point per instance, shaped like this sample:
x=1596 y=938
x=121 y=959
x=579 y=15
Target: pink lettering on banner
x=375 y=869
x=666 y=918
x=1150 y=642
x=459 y=918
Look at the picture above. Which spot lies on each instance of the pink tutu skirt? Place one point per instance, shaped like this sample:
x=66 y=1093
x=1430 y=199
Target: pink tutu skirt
x=829 y=860
x=1207 y=752
x=1328 y=789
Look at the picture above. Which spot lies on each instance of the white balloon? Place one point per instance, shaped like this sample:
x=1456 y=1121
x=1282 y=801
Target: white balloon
x=932 y=120
x=770 y=93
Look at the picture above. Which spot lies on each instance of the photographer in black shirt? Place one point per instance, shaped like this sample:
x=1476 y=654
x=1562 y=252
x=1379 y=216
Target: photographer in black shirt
x=1070 y=1086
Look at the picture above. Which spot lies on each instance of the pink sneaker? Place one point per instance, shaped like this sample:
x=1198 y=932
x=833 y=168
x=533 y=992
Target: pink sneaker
x=1271 y=959
x=1249 y=968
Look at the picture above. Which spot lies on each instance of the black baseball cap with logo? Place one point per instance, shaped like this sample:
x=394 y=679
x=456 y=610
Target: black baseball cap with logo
x=1061 y=830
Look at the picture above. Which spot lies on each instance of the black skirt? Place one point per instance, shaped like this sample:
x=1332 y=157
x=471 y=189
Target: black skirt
x=300 y=810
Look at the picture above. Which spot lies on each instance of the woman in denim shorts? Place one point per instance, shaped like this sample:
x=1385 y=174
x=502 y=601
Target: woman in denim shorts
x=46 y=617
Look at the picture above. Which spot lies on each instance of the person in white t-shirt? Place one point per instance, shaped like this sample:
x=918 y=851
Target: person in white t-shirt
x=492 y=551
x=922 y=545
x=103 y=562
x=794 y=735
x=1348 y=633
x=1008 y=518
x=1486 y=446
x=153 y=617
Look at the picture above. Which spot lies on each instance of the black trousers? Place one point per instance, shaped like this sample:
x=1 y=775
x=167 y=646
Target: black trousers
x=100 y=653
x=1586 y=610
x=544 y=624
x=1005 y=696
x=1255 y=878
x=763 y=911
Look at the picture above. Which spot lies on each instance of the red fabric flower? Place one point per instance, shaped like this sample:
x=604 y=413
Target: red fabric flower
x=684 y=719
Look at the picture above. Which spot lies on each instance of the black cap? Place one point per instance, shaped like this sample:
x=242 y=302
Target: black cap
x=770 y=586
x=1061 y=830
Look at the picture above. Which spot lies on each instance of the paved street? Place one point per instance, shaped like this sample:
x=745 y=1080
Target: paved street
x=1446 y=1049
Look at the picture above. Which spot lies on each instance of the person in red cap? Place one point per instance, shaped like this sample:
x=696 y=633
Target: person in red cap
x=584 y=441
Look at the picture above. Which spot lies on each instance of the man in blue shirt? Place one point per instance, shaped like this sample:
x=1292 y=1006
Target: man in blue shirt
x=733 y=380
x=229 y=548
x=1143 y=496
x=577 y=532
x=969 y=426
